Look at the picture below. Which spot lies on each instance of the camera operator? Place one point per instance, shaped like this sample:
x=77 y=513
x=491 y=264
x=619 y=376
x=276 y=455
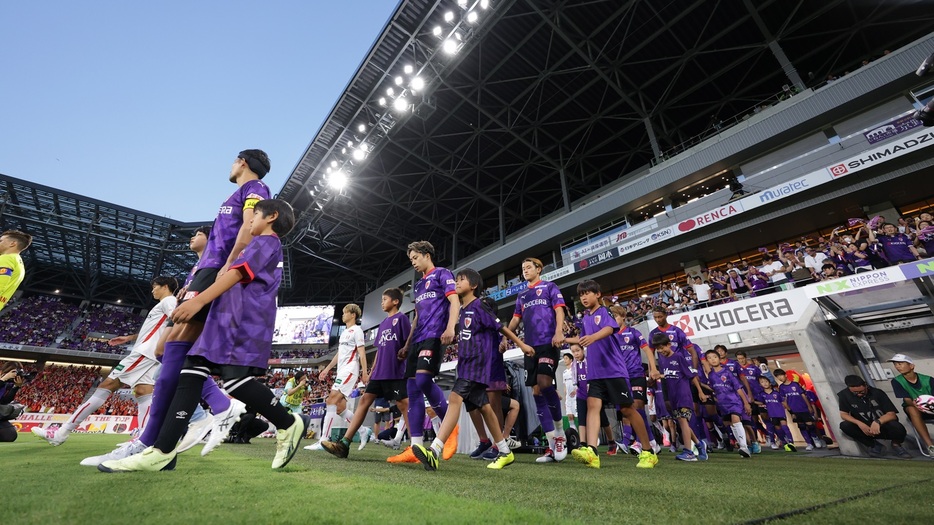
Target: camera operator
x=12 y=378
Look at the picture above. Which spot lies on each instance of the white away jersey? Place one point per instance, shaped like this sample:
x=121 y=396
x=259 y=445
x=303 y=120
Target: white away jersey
x=347 y=358
x=153 y=326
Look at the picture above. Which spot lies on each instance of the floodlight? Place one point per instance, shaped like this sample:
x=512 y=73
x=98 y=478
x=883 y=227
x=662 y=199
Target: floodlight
x=361 y=128
x=417 y=84
x=408 y=69
x=449 y=16
x=398 y=81
x=333 y=163
x=472 y=17
x=484 y=4
x=449 y=46
x=390 y=92
x=382 y=101
x=338 y=180
x=359 y=154
x=401 y=104
x=436 y=31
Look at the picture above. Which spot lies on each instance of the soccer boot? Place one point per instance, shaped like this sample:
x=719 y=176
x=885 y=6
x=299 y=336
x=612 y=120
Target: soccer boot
x=223 y=422
x=547 y=457
x=406 y=456
x=561 y=448
x=502 y=461
x=450 y=445
x=336 y=448
x=123 y=450
x=287 y=440
x=149 y=460
x=196 y=432
x=647 y=460
x=426 y=456
x=481 y=448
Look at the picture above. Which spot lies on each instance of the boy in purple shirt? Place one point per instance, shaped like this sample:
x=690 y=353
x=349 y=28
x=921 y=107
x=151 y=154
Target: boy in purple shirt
x=540 y=308
x=236 y=343
x=679 y=377
x=897 y=247
x=795 y=400
x=607 y=378
x=387 y=379
x=436 y=310
x=633 y=345
x=476 y=342
x=579 y=370
x=771 y=401
x=731 y=398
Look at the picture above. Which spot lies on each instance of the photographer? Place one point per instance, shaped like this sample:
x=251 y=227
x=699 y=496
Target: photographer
x=12 y=378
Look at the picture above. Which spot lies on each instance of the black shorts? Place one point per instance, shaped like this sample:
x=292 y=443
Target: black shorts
x=507 y=403
x=637 y=386
x=424 y=355
x=545 y=363
x=226 y=372
x=777 y=421
x=613 y=391
x=802 y=417
x=203 y=278
x=582 y=414
x=388 y=389
x=472 y=392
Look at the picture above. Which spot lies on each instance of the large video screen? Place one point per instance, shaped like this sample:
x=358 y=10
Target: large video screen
x=303 y=325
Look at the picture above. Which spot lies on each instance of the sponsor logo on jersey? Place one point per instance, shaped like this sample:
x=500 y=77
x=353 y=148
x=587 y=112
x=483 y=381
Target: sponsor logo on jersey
x=6 y=271
x=225 y=210
x=426 y=353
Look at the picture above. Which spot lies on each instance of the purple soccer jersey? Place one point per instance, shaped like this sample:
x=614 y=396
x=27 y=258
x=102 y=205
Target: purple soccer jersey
x=896 y=247
x=631 y=343
x=580 y=372
x=677 y=337
x=478 y=338
x=431 y=304
x=752 y=374
x=678 y=374
x=660 y=409
x=773 y=403
x=238 y=329
x=391 y=335
x=604 y=357
x=536 y=306
x=725 y=385
x=792 y=394
x=732 y=366
x=228 y=222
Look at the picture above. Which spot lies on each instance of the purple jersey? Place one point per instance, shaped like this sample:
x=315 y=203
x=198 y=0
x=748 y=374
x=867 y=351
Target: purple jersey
x=792 y=393
x=580 y=372
x=391 y=335
x=631 y=343
x=536 y=306
x=660 y=409
x=725 y=386
x=605 y=358
x=191 y=274
x=432 y=305
x=773 y=403
x=228 y=222
x=675 y=335
x=478 y=338
x=731 y=365
x=238 y=329
x=896 y=247
x=678 y=373
x=752 y=374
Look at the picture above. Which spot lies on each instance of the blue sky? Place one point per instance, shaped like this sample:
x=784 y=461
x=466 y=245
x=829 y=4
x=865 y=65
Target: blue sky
x=146 y=104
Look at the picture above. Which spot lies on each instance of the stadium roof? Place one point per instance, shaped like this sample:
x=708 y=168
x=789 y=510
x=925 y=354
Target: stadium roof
x=540 y=104
x=90 y=249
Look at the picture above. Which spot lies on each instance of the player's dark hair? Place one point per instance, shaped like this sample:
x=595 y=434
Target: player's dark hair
x=299 y=375
x=422 y=247
x=473 y=277
x=718 y=347
x=23 y=239
x=762 y=360
x=588 y=286
x=257 y=160
x=286 y=219
x=660 y=339
x=660 y=309
x=741 y=353
x=568 y=355
x=164 y=280
x=854 y=380
x=394 y=294
x=778 y=372
x=206 y=230
x=714 y=352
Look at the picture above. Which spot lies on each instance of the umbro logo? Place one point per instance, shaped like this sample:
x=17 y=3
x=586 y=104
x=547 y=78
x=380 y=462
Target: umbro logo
x=181 y=414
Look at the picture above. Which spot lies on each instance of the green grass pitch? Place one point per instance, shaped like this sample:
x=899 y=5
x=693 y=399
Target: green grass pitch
x=44 y=484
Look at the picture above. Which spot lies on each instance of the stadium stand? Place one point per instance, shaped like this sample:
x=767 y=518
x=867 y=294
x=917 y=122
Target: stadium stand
x=59 y=389
x=37 y=320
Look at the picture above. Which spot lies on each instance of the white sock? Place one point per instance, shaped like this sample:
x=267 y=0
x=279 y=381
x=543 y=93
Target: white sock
x=347 y=415
x=740 y=434
x=142 y=417
x=400 y=429
x=330 y=414
x=551 y=439
x=559 y=429
x=97 y=400
x=436 y=424
x=502 y=447
x=418 y=440
x=438 y=446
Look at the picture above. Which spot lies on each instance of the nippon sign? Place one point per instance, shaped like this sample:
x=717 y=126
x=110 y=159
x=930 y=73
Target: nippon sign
x=858 y=281
x=880 y=154
x=712 y=216
x=891 y=129
x=748 y=314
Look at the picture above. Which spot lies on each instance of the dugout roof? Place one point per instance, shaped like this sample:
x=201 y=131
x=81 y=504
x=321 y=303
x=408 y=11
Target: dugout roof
x=542 y=103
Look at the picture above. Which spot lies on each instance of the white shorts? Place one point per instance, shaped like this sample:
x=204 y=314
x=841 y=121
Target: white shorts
x=345 y=382
x=136 y=369
x=570 y=406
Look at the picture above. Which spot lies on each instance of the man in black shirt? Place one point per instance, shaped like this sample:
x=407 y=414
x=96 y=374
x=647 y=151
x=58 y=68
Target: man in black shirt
x=868 y=414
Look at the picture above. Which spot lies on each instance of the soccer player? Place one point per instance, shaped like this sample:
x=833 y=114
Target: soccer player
x=388 y=378
x=540 y=308
x=737 y=370
x=476 y=343
x=12 y=271
x=351 y=366
x=579 y=368
x=607 y=378
x=236 y=343
x=633 y=345
x=729 y=392
x=138 y=369
x=679 y=376
x=227 y=239
x=570 y=389
x=436 y=310
x=752 y=373
x=771 y=400
x=797 y=403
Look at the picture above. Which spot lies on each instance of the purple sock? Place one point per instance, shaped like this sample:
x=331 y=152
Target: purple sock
x=806 y=434
x=554 y=402
x=416 y=408
x=432 y=393
x=789 y=439
x=215 y=397
x=165 y=387
x=645 y=421
x=541 y=408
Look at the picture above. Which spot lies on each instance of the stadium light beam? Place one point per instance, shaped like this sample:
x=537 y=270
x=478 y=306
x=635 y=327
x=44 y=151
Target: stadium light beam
x=338 y=180
x=449 y=46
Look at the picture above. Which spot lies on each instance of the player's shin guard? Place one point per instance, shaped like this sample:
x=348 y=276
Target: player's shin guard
x=433 y=394
x=183 y=405
x=541 y=408
x=806 y=434
x=554 y=409
x=416 y=408
x=739 y=433
x=165 y=387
